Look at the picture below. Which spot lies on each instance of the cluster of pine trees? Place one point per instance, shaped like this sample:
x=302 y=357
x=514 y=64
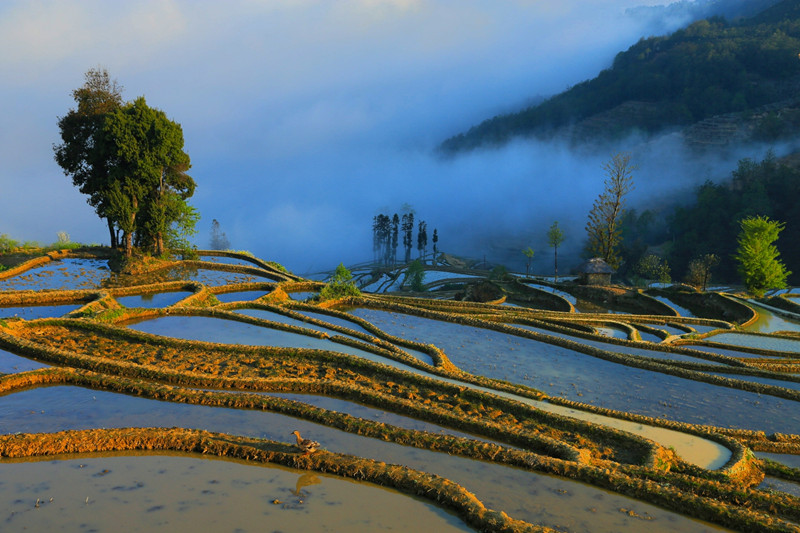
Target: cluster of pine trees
x=386 y=233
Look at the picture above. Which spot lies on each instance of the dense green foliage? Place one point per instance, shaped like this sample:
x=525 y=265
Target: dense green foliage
x=758 y=258
x=129 y=159
x=415 y=276
x=6 y=243
x=710 y=68
x=711 y=224
x=81 y=154
x=654 y=268
x=341 y=285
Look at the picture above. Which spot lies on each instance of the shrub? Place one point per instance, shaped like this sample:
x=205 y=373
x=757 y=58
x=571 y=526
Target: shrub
x=499 y=273
x=341 y=285
x=277 y=266
x=415 y=276
x=7 y=244
x=653 y=268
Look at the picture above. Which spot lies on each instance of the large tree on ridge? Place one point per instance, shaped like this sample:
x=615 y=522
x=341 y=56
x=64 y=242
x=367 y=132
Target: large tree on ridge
x=81 y=153
x=149 y=166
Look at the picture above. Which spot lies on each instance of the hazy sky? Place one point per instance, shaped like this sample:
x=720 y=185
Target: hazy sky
x=305 y=118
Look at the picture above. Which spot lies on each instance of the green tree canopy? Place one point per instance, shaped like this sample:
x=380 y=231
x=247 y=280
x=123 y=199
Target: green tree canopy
x=759 y=263
x=653 y=267
x=150 y=166
x=129 y=159
x=81 y=154
x=415 y=276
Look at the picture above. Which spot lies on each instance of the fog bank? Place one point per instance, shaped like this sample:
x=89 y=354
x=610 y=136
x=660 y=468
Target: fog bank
x=305 y=119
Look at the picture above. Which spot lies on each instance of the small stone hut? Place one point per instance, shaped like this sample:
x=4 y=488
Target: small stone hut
x=595 y=271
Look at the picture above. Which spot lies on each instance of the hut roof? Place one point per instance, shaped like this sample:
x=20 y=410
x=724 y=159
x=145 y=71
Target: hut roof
x=595 y=266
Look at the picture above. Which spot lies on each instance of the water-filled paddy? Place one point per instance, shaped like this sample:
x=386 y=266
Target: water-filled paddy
x=12 y=364
x=335 y=320
x=283 y=319
x=371 y=413
x=302 y=295
x=188 y=493
x=64 y=274
x=226 y=260
x=524 y=495
x=30 y=312
x=233 y=332
x=757 y=341
x=631 y=350
x=539 y=499
x=682 y=311
x=212 y=277
x=159 y=299
x=775 y=484
x=562 y=372
x=785 y=459
x=769 y=322
x=607 y=331
x=240 y=296
x=757 y=379
x=544 y=288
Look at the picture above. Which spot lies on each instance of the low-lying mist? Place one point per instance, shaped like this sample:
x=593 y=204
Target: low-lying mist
x=489 y=203
x=305 y=119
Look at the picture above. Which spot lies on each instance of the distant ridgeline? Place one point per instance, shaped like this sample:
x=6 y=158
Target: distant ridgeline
x=712 y=68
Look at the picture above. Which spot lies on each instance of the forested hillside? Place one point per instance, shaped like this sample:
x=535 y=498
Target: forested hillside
x=710 y=225
x=711 y=68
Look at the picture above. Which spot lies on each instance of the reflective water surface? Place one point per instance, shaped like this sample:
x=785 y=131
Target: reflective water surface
x=155 y=300
x=536 y=498
x=562 y=372
x=187 y=493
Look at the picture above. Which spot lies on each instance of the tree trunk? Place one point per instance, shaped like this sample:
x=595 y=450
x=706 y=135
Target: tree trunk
x=112 y=233
x=555 y=250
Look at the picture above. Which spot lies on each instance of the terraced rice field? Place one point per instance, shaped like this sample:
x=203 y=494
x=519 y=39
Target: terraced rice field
x=168 y=399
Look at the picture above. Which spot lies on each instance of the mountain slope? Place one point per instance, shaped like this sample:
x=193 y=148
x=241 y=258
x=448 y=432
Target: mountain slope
x=711 y=68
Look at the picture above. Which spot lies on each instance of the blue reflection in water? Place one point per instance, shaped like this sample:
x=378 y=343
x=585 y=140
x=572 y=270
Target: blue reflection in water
x=161 y=299
x=563 y=372
x=233 y=332
x=12 y=364
x=63 y=274
x=240 y=296
x=30 y=312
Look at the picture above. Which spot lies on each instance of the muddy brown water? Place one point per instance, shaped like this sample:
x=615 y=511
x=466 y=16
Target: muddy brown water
x=536 y=498
x=188 y=493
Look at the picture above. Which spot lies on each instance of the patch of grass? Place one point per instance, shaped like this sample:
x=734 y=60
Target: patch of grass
x=278 y=266
x=6 y=243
